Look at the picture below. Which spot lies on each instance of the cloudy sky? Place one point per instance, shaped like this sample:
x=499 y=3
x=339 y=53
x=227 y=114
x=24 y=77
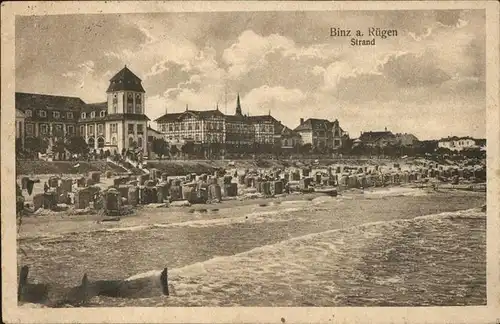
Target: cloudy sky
x=429 y=80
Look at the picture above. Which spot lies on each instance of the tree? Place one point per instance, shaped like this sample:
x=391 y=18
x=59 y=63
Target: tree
x=77 y=145
x=59 y=147
x=187 y=148
x=306 y=148
x=36 y=144
x=19 y=146
x=160 y=147
x=173 y=150
x=360 y=149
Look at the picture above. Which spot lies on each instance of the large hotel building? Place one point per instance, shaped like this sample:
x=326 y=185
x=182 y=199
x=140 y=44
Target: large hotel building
x=120 y=123
x=116 y=124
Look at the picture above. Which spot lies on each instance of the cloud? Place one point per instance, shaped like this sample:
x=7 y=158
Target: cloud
x=248 y=52
x=282 y=61
x=414 y=70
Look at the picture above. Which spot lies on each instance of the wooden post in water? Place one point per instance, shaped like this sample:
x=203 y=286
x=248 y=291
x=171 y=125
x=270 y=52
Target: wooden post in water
x=164 y=281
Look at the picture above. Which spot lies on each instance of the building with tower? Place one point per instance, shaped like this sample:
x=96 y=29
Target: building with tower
x=126 y=121
x=117 y=124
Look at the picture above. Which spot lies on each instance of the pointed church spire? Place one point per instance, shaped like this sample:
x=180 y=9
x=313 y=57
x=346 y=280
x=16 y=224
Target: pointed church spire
x=238 y=106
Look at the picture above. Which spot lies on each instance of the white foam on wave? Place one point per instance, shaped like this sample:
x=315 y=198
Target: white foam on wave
x=465 y=213
x=279 y=257
x=361 y=227
x=126 y=229
x=256 y=217
x=396 y=191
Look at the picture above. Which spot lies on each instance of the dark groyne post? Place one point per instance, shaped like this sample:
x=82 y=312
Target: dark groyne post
x=164 y=281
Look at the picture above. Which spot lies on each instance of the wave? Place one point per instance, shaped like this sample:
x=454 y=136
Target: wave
x=320 y=247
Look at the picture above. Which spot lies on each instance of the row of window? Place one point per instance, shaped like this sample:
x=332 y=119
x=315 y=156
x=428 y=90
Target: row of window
x=84 y=115
x=90 y=129
x=132 y=127
x=45 y=129
x=211 y=126
x=43 y=113
x=69 y=114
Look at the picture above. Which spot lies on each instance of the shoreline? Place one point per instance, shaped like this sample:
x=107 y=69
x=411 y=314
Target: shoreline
x=61 y=223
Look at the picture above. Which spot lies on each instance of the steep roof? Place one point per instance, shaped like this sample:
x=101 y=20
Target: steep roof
x=127 y=116
x=262 y=118
x=280 y=129
x=95 y=106
x=374 y=136
x=314 y=124
x=20 y=114
x=26 y=101
x=202 y=114
x=125 y=80
x=152 y=130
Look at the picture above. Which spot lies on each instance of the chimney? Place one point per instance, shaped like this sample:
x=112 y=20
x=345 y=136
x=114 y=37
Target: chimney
x=301 y=121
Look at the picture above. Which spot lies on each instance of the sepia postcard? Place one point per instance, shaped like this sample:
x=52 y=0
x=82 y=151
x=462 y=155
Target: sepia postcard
x=250 y=162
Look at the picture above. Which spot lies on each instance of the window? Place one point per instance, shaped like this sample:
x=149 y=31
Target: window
x=69 y=115
x=170 y=128
x=130 y=141
x=176 y=127
x=91 y=129
x=130 y=128
x=59 y=128
x=70 y=129
x=43 y=129
x=163 y=128
x=140 y=129
x=139 y=141
x=84 y=115
x=92 y=114
x=56 y=114
x=103 y=113
x=82 y=130
x=182 y=126
x=28 y=113
x=190 y=127
x=113 y=128
x=42 y=113
x=115 y=103
x=138 y=103
x=337 y=143
x=100 y=129
x=197 y=126
x=29 y=129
